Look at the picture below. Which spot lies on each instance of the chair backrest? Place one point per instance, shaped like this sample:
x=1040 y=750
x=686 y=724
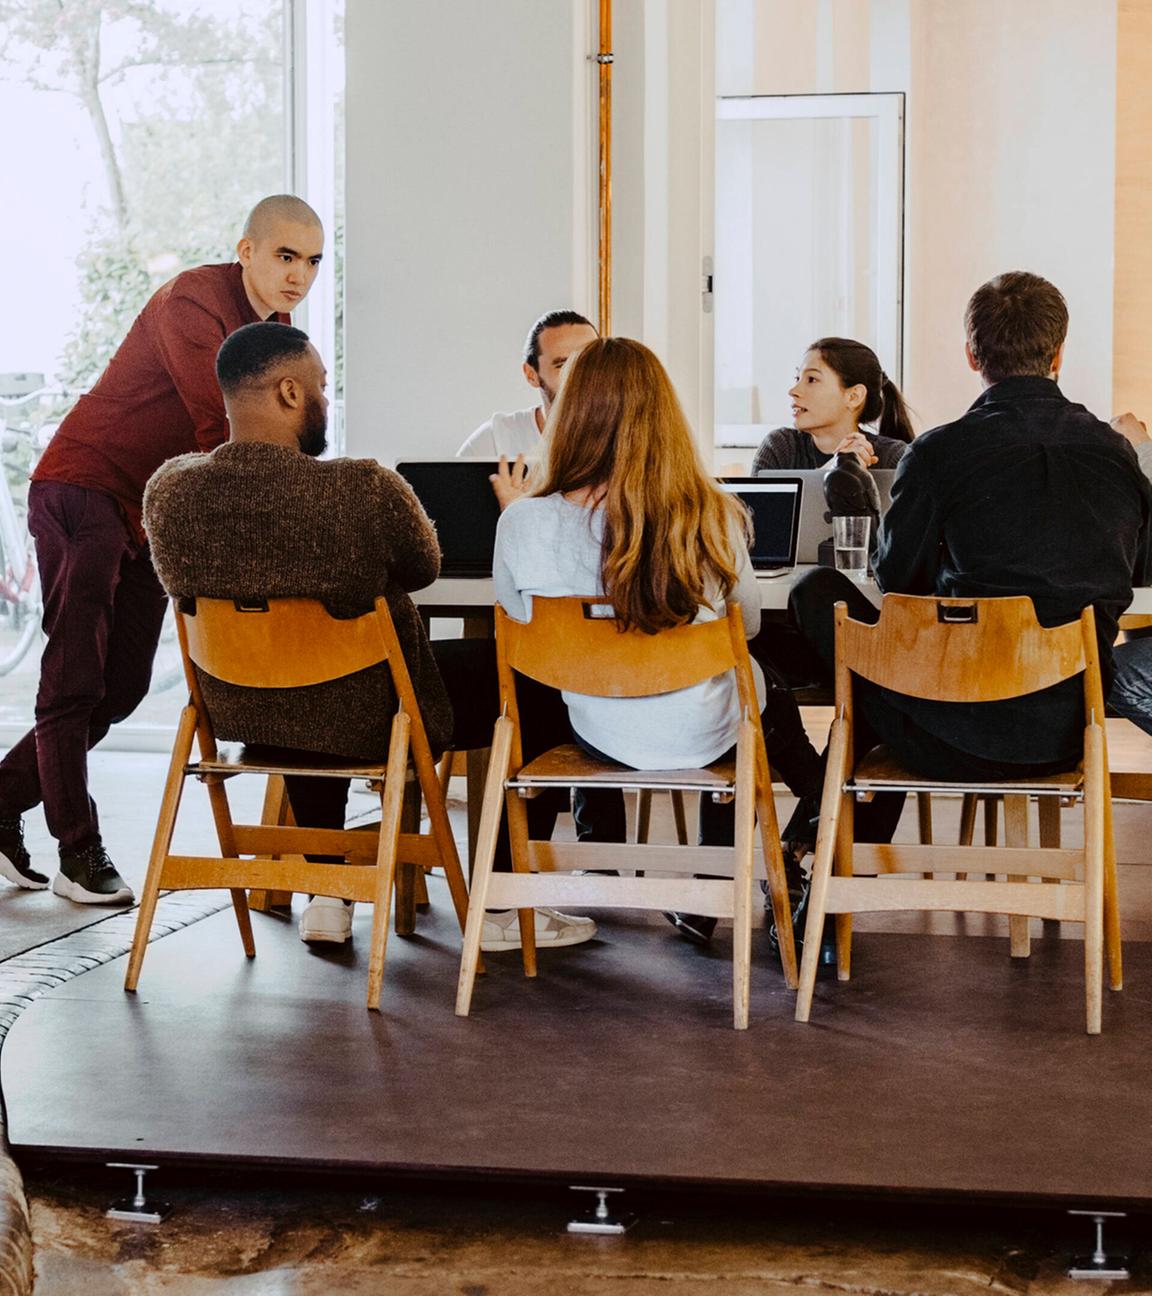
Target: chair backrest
x=282 y=643
x=965 y=650
x=570 y=644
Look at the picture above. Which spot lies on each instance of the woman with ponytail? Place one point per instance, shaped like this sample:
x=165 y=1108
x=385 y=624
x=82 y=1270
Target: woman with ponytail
x=840 y=387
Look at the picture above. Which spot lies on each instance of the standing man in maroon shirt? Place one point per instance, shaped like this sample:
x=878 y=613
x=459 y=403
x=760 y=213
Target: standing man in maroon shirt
x=103 y=606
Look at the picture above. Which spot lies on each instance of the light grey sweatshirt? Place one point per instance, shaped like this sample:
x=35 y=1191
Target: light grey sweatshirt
x=551 y=547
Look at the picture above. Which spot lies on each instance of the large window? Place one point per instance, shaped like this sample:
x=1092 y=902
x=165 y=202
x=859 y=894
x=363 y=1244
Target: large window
x=137 y=135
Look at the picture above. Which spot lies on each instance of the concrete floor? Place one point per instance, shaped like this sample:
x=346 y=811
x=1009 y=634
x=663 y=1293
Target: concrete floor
x=420 y=1240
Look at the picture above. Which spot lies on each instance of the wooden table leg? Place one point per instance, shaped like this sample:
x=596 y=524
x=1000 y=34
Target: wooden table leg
x=276 y=811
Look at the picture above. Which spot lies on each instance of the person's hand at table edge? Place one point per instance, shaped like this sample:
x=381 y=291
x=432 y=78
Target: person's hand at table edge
x=510 y=480
x=860 y=446
x=1131 y=428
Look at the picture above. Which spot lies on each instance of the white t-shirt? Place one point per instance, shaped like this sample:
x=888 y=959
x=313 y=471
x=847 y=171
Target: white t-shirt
x=504 y=434
x=549 y=546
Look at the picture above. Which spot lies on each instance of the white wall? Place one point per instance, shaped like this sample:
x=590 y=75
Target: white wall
x=1010 y=153
x=471 y=182
x=468 y=172
x=1011 y=165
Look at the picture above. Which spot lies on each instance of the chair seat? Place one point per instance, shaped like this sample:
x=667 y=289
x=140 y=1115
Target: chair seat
x=880 y=770
x=237 y=759
x=571 y=766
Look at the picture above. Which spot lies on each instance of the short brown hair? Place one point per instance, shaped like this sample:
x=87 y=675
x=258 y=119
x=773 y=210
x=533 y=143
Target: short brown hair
x=1015 y=324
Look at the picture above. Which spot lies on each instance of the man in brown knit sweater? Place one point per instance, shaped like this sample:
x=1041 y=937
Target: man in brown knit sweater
x=263 y=517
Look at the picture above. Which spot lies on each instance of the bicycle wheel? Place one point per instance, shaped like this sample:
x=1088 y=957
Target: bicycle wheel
x=20 y=605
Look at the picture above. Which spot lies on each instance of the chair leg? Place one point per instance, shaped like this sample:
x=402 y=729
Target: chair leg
x=446 y=851
x=243 y=920
x=924 y=817
x=218 y=800
x=967 y=819
x=1111 y=904
x=774 y=869
x=832 y=807
x=391 y=808
x=161 y=842
x=742 y=874
x=405 y=920
x=482 y=863
x=643 y=815
x=845 y=837
x=990 y=804
x=1048 y=812
x=518 y=839
x=826 y=838
x=1016 y=834
x=276 y=811
x=1095 y=848
x=444 y=772
x=680 y=818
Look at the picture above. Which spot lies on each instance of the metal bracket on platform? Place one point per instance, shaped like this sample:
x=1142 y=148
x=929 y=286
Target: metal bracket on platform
x=1100 y=1264
x=138 y=1209
x=600 y=1220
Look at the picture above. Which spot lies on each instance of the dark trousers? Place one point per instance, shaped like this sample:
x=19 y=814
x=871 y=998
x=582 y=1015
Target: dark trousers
x=103 y=610
x=468 y=669
x=876 y=720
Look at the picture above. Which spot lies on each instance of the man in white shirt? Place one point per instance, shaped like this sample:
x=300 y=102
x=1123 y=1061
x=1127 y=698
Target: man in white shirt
x=553 y=338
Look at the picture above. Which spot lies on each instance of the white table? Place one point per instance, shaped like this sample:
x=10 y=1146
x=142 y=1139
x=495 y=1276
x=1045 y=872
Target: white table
x=457 y=596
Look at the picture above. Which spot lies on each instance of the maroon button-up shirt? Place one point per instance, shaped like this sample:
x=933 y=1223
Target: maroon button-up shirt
x=159 y=396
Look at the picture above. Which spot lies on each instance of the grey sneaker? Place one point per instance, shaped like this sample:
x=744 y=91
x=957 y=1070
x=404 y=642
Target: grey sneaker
x=88 y=876
x=15 y=862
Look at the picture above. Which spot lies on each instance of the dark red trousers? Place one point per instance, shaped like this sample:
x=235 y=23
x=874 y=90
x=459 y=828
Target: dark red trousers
x=103 y=609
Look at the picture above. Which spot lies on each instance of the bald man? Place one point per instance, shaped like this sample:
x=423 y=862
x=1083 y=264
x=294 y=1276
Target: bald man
x=103 y=606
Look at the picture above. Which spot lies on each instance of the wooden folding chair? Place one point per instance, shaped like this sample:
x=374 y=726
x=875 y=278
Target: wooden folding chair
x=967 y=650
x=284 y=644
x=568 y=646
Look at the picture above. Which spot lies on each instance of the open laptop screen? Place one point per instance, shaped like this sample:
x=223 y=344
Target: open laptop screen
x=775 y=509
x=458 y=497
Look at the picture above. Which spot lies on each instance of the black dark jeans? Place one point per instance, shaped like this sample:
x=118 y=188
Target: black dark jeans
x=468 y=668
x=877 y=721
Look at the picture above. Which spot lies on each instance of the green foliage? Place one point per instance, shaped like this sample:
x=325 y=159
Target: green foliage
x=188 y=113
x=114 y=284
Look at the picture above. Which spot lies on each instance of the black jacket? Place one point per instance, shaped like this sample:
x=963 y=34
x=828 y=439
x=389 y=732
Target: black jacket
x=1026 y=494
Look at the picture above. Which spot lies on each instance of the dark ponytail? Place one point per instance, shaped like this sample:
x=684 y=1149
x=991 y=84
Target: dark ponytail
x=855 y=364
x=894 y=420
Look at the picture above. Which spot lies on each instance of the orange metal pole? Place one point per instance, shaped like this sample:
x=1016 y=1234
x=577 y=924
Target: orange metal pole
x=604 y=60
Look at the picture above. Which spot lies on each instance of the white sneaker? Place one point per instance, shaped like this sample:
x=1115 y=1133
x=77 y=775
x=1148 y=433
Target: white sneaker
x=501 y=931
x=326 y=918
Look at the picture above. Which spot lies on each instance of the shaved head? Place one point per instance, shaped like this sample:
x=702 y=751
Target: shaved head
x=275 y=210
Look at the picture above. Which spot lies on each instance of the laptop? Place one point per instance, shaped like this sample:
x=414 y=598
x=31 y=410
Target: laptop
x=458 y=497
x=775 y=506
x=815 y=524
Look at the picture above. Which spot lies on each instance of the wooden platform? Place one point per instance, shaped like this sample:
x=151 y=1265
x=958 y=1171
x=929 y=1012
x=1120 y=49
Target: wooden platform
x=940 y=1071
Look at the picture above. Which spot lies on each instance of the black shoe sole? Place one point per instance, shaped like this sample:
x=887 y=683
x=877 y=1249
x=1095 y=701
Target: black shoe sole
x=693 y=927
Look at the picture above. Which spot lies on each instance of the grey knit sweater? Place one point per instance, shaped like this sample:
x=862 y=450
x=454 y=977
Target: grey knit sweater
x=254 y=520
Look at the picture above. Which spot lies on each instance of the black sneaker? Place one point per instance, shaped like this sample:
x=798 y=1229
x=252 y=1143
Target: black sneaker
x=88 y=876
x=15 y=862
x=694 y=927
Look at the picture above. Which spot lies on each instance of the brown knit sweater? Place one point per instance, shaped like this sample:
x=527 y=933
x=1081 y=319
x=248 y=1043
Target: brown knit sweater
x=255 y=520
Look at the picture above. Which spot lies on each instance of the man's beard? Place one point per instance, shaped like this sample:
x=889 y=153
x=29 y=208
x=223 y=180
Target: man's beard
x=313 y=438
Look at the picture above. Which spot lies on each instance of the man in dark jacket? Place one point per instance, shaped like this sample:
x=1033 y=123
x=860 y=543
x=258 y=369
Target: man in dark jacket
x=1027 y=493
